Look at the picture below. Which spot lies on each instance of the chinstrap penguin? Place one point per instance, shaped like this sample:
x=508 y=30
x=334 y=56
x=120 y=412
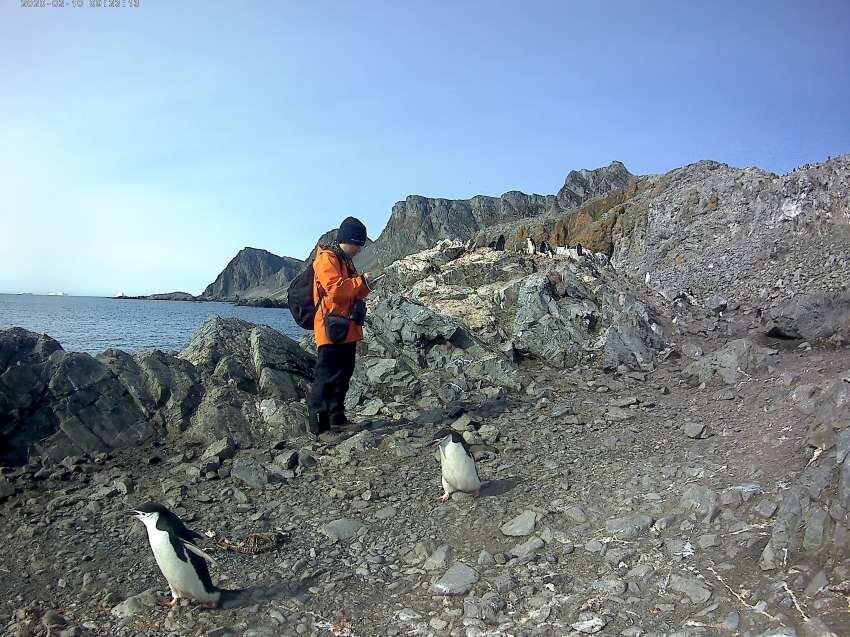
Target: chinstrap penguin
x=457 y=464
x=183 y=564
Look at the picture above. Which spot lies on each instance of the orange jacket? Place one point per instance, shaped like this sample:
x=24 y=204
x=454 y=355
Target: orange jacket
x=337 y=285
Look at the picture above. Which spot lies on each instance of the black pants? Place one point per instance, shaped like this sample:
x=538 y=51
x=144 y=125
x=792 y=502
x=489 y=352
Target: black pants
x=334 y=367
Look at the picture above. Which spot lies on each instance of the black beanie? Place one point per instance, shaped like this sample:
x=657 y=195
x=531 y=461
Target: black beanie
x=352 y=231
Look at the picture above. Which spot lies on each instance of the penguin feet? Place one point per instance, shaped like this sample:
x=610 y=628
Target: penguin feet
x=168 y=603
x=476 y=493
x=445 y=497
x=209 y=605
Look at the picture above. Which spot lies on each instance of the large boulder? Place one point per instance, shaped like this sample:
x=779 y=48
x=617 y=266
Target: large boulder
x=24 y=373
x=437 y=357
x=812 y=317
x=255 y=379
x=555 y=328
x=166 y=388
x=252 y=358
x=727 y=364
x=633 y=337
x=60 y=403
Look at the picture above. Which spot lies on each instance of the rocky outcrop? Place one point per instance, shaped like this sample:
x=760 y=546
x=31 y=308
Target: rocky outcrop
x=730 y=363
x=256 y=378
x=165 y=388
x=450 y=323
x=558 y=310
x=815 y=317
x=584 y=185
x=411 y=350
x=233 y=379
x=746 y=233
x=253 y=273
x=61 y=402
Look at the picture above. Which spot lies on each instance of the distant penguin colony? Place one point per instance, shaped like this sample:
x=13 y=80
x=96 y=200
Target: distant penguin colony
x=457 y=464
x=182 y=563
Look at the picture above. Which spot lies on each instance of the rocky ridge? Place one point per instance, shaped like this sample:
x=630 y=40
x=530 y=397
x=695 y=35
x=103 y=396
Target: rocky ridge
x=418 y=223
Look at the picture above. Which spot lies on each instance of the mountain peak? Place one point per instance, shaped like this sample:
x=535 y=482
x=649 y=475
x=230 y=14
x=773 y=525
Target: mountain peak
x=585 y=184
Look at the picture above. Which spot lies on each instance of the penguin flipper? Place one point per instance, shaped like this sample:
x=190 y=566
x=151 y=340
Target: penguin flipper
x=194 y=549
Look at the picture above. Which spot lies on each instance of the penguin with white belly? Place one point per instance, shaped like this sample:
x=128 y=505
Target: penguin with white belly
x=457 y=464
x=183 y=564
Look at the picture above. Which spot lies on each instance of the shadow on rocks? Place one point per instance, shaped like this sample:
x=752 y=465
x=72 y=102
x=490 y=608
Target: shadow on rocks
x=263 y=593
x=499 y=487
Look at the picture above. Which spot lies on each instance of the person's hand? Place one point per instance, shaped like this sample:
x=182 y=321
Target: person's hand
x=367 y=275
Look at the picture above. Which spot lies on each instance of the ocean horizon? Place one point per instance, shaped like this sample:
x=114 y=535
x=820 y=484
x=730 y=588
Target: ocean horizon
x=93 y=324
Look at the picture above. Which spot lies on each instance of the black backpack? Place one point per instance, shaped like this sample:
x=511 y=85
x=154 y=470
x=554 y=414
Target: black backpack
x=300 y=298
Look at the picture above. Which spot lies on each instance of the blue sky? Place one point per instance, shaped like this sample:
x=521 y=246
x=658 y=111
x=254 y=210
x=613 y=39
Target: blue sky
x=140 y=149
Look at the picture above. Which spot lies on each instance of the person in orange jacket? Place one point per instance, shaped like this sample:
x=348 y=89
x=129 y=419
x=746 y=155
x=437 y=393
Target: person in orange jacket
x=337 y=287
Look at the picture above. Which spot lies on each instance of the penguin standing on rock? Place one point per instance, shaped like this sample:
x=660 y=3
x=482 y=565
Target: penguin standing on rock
x=182 y=563
x=457 y=464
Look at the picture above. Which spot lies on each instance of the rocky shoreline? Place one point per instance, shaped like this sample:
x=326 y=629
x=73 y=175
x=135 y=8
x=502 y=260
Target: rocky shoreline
x=266 y=302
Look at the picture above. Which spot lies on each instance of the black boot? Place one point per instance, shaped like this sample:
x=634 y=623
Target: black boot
x=318 y=422
x=339 y=419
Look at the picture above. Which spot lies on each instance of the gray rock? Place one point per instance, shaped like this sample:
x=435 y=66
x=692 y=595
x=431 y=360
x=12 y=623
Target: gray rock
x=766 y=508
x=694 y=588
x=700 y=499
x=250 y=471
x=725 y=364
x=629 y=527
x=634 y=338
x=136 y=604
x=575 y=514
x=269 y=363
x=589 y=623
x=63 y=403
x=529 y=547
x=695 y=430
x=342 y=530
x=223 y=449
x=458 y=580
x=287 y=459
x=358 y=442
x=521 y=525
x=815 y=316
x=815 y=627
x=439 y=559
x=716 y=304
x=503 y=584
x=609 y=587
